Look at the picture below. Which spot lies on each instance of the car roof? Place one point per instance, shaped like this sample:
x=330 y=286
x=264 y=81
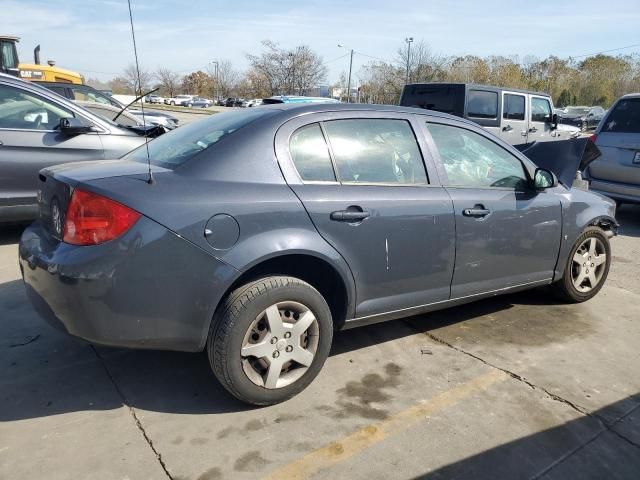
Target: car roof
x=292 y=110
x=479 y=85
x=631 y=95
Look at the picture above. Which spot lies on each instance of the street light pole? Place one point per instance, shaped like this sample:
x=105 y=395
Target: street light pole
x=215 y=88
x=409 y=40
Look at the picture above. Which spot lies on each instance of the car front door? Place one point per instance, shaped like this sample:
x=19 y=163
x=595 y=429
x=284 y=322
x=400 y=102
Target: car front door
x=515 y=126
x=507 y=233
x=364 y=184
x=540 y=117
x=30 y=140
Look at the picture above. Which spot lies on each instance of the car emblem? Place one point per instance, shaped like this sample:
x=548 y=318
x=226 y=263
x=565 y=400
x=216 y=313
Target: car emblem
x=56 y=219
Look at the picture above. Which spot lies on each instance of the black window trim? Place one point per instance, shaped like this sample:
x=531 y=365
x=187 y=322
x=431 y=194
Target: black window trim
x=338 y=181
x=445 y=180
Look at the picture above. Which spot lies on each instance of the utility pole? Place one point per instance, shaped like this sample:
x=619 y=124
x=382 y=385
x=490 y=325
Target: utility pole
x=409 y=40
x=340 y=45
x=349 y=81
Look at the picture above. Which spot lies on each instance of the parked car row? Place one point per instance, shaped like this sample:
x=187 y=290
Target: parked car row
x=94 y=98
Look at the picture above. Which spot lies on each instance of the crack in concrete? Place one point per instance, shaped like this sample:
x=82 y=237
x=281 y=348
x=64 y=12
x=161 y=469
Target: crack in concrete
x=606 y=427
x=133 y=414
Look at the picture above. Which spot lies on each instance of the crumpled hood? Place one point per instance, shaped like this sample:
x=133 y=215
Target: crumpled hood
x=564 y=158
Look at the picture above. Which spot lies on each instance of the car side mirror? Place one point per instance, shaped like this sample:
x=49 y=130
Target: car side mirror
x=74 y=126
x=554 y=121
x=544 y=179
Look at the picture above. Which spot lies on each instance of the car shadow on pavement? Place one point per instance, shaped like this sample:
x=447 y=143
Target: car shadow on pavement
x=10 y=234
x=44 y=372
x=605 y=450
x=628 y=216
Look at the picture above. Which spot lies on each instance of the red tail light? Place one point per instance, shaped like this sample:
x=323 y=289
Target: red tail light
x=593 y=138
x=92 y=219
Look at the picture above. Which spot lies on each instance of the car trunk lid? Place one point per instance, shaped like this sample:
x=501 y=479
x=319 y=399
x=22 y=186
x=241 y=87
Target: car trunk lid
x=56 y=185
x=620 y=160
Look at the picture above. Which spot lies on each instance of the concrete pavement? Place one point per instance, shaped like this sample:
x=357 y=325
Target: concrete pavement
x=513 y=387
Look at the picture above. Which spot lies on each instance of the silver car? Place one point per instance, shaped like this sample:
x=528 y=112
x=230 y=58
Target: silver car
x=616 y=173
x=38 y=129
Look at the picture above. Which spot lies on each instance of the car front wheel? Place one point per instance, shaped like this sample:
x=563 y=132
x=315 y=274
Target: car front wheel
x=269 y=339
x=587 y=267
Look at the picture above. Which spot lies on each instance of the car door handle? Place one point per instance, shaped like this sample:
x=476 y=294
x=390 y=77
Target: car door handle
x=533 y=129
x=477 y=211
x=508 y=128
x=349 y=215
x=523 y=133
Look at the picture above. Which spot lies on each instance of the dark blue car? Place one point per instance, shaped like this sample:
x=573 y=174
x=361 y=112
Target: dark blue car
x=255 y=234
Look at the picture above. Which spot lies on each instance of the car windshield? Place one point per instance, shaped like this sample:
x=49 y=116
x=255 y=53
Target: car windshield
x=624 y=118
x=175 y=148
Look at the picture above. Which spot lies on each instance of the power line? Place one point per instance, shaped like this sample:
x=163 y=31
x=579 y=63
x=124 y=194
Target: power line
x=605 y=51
x=338 y=58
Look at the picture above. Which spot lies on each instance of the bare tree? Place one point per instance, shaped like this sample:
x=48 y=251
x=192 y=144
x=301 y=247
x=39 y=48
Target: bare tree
x=169 y=81
x=130 y=75
x=227 y=78
x=424 y=65
x=281 y=71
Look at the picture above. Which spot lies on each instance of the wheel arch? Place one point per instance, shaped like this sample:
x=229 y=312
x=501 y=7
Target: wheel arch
x=335 y=283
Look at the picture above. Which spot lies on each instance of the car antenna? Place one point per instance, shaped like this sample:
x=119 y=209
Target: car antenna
x=135 y=53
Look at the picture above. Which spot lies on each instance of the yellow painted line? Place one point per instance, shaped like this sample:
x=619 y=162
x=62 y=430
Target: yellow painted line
x=339 y=451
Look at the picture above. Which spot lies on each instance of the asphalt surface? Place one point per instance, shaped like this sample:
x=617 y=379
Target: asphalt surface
x=517 y=386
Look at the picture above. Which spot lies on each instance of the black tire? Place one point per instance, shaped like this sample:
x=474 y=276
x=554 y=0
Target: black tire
x=232 y=320
x=564 y=288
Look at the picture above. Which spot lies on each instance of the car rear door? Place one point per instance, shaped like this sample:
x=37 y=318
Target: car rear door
x=361 y=177
x=29 y=141
x=515 y=125
x=618 y=138
x=507 y=234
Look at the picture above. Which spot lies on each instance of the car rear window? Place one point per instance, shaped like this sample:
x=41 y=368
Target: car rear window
x=624 y=118
x=178 y=146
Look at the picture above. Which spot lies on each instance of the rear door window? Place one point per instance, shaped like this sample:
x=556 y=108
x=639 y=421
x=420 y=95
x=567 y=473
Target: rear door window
x=482 y=104
x=624 y=118
x=378 y=151
x=310 y=154
x=513 y=108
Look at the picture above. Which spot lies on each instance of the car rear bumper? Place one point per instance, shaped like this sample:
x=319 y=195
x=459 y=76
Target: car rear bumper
x=618 y=191
x=147 y=289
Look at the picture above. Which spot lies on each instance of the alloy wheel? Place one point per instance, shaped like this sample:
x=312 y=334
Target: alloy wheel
x=589 y=264
x=280 y=345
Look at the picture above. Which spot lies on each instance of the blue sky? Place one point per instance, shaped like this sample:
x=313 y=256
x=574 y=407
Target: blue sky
x=93 y=36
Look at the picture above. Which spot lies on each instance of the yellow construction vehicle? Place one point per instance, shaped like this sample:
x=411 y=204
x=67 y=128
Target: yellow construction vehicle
x=32 y=71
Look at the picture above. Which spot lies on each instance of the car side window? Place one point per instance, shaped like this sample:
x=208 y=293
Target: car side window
x=482 y=104
x=513 y=107
x=24 y=110
x=310 y=154
x=540 y=110
x=382 y=151
x=472 y=160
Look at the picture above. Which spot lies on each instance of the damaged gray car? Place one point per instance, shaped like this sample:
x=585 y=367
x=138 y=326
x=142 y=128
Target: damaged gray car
x=255 y=234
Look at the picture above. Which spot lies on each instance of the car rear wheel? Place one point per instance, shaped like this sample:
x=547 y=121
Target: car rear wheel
x=587 y=267
x=269 y=339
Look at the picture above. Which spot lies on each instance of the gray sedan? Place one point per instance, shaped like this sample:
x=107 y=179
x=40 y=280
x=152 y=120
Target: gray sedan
x=259 y=232
x=39 y=128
